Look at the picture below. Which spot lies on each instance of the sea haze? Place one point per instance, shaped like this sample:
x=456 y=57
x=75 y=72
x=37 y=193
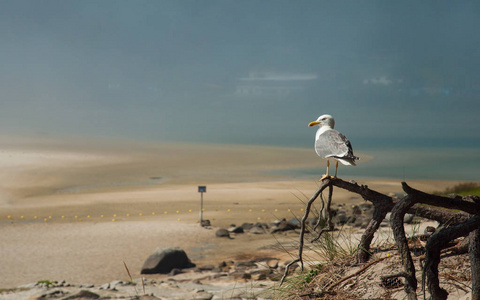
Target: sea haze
x=406 y=164
x=251 y=72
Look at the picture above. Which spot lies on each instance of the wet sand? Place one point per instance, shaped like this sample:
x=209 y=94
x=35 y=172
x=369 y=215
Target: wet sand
x=76 y=209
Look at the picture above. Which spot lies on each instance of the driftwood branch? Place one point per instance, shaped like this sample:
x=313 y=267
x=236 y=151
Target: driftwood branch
x=398 y=213
x=474 y=253
x=438 y=241
x=457 y=202
x=328 y=216
x=435 y=244
x=456 y=212
x=383 y=204
x=302 y=230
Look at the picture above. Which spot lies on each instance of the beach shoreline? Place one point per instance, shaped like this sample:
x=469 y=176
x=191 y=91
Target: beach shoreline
x=75 y=213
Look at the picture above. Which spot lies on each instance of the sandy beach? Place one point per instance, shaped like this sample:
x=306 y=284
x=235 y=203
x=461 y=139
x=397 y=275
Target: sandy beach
x=76 y=210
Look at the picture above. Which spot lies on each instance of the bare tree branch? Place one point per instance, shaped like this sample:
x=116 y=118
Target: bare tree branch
x=455 y=212
x=435 y=244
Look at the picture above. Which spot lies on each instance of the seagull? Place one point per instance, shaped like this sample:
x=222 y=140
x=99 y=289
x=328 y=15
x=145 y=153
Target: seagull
x=330 y=143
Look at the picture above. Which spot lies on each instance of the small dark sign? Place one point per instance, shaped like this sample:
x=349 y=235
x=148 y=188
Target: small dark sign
x=202 y=189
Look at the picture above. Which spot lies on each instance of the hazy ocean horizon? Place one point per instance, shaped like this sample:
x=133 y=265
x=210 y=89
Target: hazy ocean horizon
x=406 y=162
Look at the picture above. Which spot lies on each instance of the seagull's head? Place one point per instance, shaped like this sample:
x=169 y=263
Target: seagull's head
x=323 y=120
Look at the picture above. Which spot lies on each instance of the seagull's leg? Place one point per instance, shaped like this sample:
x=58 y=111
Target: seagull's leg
x=336 y=167
x=326 y=175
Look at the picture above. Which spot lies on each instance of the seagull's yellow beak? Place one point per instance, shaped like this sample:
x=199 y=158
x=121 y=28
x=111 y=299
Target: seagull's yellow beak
x=313 y=123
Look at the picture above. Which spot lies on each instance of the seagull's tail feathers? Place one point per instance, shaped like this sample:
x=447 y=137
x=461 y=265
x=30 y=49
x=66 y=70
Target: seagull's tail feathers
x=347 y=160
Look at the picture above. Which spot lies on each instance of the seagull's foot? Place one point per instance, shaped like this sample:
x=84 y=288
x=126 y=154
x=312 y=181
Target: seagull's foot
x=325 y=177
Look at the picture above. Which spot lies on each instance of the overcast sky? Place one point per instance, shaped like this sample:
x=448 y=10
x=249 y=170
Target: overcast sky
x=176 y=70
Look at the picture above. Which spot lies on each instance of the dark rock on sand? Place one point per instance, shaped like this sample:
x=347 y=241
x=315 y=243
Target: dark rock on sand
x=205 y=223
x=206 y=268
x=356 y=210
x=247 y=226
x=222 y=232
x=282 y=226
x=164 y=260
x=83 y=294
x=341 y=218
x=257 y=230
x=236 y=229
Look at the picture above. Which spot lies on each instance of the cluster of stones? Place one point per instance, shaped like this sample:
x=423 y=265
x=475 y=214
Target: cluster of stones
x=259 y=228
x=266 y=268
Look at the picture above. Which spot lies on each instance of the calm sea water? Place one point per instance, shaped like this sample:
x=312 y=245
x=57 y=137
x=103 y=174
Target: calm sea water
x=405 y=163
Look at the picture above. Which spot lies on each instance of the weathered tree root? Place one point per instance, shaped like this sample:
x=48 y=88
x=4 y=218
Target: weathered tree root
x=328 y=215
x=474 y=253
x=398 y=212
x=302 y=229
x=412 y=203
x=436 y=243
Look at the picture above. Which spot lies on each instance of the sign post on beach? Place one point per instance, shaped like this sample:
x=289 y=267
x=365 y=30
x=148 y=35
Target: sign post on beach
x=201 y=189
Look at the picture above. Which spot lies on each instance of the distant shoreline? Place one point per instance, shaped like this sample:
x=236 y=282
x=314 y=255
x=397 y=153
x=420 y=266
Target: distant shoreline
x=101 y=201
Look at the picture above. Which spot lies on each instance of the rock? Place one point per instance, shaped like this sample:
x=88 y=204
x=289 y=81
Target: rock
x=356 y=210
x=27 y=286
x=147 y=297
x=272 y=264
x=240 y=275
x=386 y=221
x=202 y=295
x=52 y=294
x=224 y=266
x=114 y=283
x=236 y=229
x=275 y=229
x=429 y=230
x=387 y=217
x=408 y=218
x=222 y=232
x=296 y=222
x=282 y=226
x=275 y=276
x=205 y=223
x=245 y=264
x=105 y=286
x=83 y=294
x=361 y=221
x=175 y=271
x=365 y=222
x=206 y=268
x=341 y=218
x=257 y=230
x=312 y=222
x=163 y=260
x=353 y=219
x=247 y=226
x=364 y=207
x=258 y=276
